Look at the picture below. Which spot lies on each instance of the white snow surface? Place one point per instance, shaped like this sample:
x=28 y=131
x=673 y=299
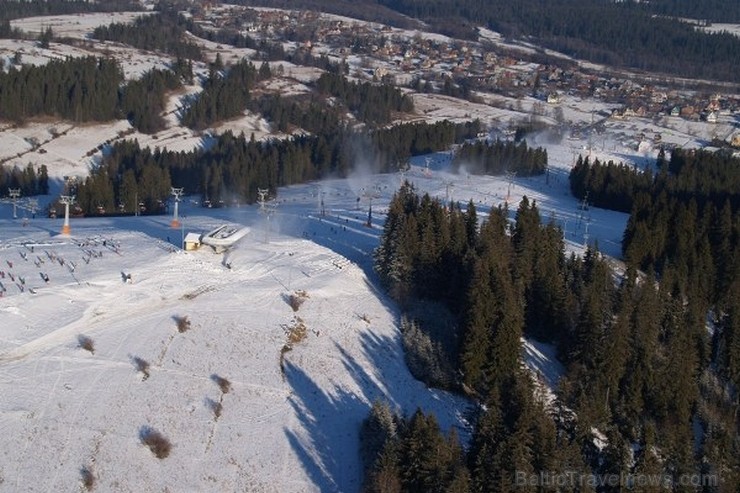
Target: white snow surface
x=78 y=26
x=294 y=429
x=289 y=427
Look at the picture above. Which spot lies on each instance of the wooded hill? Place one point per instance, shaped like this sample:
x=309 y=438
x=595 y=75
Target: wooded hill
x=234 y=168
x=641 y=367
x=158 y=32
x=89 y=89
x=621 y=34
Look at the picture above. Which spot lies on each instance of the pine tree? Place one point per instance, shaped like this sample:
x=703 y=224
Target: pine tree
x=546 y=317
x=640 y=376
x=524 y=238
x=486 y=455
x=386 y=477
x=616 y=460
x=379 y=430
x=506 y=330
x=477 y=336
x=647 y=463
x=429 y=461
x=471 y=224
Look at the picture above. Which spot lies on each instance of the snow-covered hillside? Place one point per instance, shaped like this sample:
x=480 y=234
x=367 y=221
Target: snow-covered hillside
x=291 y=419
x=284 y=426
x=287 y=424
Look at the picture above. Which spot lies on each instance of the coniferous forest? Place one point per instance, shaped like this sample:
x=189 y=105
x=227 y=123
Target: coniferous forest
x=234 y=167
x=224 y=95
x=608 y=185
x=640 y=35
x=643 y=371
x=499 y=157
x=29 y=180
x=650 y=346
x=157 y=32
x=78 y=89
x=371 y=103
x=89 y=89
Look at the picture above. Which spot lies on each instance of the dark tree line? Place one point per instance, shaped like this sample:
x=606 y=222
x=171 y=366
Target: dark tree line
x=617 y=33
x=400 y=142
x=29 y=180
x=7 y=32
x=370 y=103
x=681 y=217
x=155 y=32
x=640 y=364
x=229 y=36
x=15 y=9
x=89 y=89
x=687 y=226
x=411 y=454
x=457 y=87
x=78 y=89
x=311 y=113
x=224 y=95
x=499 y=157
x=300 y=57
x=708 y=10
x=684 y=227
x=287 y=113
x=608 y=185
x=235 y=167
x=143 y=101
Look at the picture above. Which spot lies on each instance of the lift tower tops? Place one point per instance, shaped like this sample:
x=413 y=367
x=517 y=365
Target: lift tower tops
x=14 y=194
x=176 y=193
x=67 y=200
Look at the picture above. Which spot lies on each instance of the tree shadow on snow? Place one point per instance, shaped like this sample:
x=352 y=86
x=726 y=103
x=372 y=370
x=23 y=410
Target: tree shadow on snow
x=327 y=442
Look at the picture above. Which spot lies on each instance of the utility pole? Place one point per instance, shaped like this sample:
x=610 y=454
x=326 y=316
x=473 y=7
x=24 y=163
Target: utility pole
x=583 y=209
x=268 y=210
x=67 y=200
x=262 y=198
x=590 y=134
x=319 y=199
x=14 y=194
x=370 y=195
x=510 y=175
x=176 y=193
x=33 y=204
x=449 y=185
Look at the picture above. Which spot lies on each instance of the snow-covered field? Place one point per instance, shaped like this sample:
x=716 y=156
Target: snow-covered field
x=77 y=26
x=284 y=426
x=289 y=423
x=290 y=426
